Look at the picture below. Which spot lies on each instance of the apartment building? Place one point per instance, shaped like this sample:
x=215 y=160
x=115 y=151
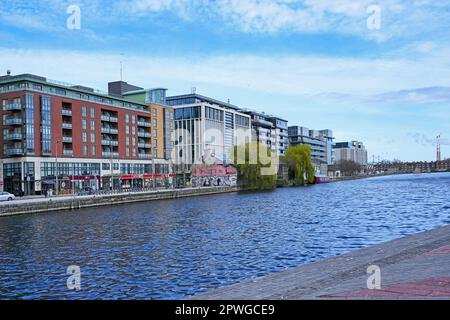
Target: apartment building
x=321 y=142
x=68 y=137
x=206 y=130
x=353 y=151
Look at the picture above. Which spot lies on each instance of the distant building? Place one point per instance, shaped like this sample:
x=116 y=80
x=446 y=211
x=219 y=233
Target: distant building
x=281 y=135
x=321 y=142
x=353 y=151
x=205 y=128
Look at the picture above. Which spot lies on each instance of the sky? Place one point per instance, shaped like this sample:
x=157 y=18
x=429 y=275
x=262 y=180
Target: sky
x=374 y=71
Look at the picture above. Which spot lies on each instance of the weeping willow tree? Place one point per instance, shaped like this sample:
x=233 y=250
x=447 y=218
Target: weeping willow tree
x=301 y=169
x=255 y=165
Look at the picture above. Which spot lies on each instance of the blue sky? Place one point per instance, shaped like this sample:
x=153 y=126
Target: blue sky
x=313 y=62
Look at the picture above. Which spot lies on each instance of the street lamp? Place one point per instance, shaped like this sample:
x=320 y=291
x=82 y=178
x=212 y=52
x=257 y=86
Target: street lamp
x=56 y=169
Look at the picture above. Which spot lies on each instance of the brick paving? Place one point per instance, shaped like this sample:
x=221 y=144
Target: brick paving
x=413 y=267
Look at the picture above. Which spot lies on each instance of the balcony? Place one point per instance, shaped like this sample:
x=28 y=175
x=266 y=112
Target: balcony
x=13 y=107
x=110 y=130
x=66 y=112
x=144 y=145
x=12 y=121
x=144 y=124
x=110 y=118
x=107 y=154
x=67 y=152
x=14 y=152
x=14 y=136
x=110 y=143
x=145 y=155
x=143 y=134
x=67 y=139
x=67 y=126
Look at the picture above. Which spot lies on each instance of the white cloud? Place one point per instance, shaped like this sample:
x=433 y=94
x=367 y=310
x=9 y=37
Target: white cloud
x=287 y=75
x=400 y=18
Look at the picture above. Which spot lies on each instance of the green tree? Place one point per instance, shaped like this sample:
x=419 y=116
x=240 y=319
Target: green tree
x=253 y=162
x=301 y=169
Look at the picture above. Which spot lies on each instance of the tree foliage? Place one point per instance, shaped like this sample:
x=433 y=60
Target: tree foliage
x=252 y=170
x=301 y=169
x=348 y=167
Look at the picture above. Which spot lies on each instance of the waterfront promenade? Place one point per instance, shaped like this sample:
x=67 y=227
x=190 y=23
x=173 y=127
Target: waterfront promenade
x=413 y=267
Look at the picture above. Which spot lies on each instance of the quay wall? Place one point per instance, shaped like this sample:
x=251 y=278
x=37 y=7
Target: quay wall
x=75 y=203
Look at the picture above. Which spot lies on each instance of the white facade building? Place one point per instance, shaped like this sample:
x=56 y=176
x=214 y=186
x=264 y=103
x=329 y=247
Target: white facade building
x=206 y=130
x=353 y=151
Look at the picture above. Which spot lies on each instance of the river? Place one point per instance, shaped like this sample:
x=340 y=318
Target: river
x=175 y=248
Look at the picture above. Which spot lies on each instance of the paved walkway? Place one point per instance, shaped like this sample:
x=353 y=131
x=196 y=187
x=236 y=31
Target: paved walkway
x=43 y=199
x=414 y=267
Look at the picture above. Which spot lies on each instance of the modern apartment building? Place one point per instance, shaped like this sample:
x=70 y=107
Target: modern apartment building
x=263 y=130
x=68 y=137
x=354 y=151
x=319 y=140
x=206 y=130
x=281 y=134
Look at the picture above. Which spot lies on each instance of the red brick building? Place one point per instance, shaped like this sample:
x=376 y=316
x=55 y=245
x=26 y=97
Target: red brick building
x=77 y=137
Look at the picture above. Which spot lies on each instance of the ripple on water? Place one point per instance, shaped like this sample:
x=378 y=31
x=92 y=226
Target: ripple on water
x=172 y=249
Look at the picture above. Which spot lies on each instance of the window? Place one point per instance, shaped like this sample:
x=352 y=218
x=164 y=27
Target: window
x=93 y=150
x=106 y=166
x=127 y=118
x=46 y=124
x=92 y=137
x=187 y=113
x=178 y=114
x=92 y=112
x=29 y=122
x=84 y=124
x=127 y=129
x=84 y=111
x=93 y=125
x=84 y=136
x=84 y=150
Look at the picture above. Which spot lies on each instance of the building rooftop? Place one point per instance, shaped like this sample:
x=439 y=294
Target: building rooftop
x=199 y=98
x=102 y=95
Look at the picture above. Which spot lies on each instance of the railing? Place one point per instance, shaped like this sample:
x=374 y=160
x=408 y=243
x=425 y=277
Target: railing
x=144 y=145
x=67 y=139
x=66 y=112
x=110 y=130
x=13 y=107
x=145 y=155
x=67 y=152
x=14 y=151
x=110 y=154
x=144 y=134
x=12 y=121
x=144 y=124
x=67 y=126
x=110 y=143
x=110 y=119
x=14 y=136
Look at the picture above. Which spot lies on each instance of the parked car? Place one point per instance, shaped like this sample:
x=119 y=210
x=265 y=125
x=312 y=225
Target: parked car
x=6 y=196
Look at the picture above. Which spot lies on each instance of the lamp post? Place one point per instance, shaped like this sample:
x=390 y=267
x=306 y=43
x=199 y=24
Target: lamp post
x=56 y=169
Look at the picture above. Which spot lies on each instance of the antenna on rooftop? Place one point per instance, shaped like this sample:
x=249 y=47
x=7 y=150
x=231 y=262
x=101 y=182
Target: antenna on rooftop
x=193 y=90
x=121 y=66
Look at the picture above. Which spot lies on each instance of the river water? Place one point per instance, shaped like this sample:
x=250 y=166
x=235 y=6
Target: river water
x=175 y=248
